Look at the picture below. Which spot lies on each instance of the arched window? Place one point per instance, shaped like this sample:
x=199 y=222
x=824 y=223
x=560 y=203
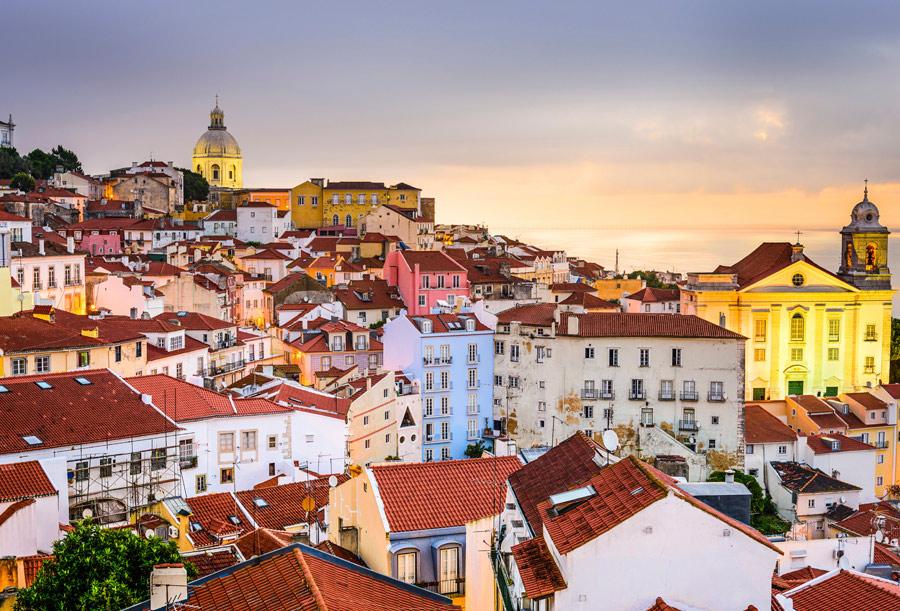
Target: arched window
x=199 y=169
x=798 y=328
x=348 y=221
x=335 y=220
x=215 y=172
x=871 y=257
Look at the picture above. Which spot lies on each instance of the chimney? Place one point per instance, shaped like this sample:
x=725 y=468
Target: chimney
x=729 y=476
x=168 y=585
x=134 y=164
x=573 y=325
x=171 y=164
x=796 y=252
x=41 y=247
x=70 y=245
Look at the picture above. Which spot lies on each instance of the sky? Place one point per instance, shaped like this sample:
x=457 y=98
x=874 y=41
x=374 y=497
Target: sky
x=528 y=116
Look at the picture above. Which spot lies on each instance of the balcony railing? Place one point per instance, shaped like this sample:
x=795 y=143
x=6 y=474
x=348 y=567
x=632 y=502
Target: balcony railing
x=688 y=425
x=607 y=394
x=446 y=388
x=667 y=395
x=449 y=587
x=881 y=445
x=472 y=360
x=438 y=439
x=187 y=462
x=637 y=395
x=590 y=393
x=716 y=397
x=215 y=370
x=437 y=361
x=690 y=395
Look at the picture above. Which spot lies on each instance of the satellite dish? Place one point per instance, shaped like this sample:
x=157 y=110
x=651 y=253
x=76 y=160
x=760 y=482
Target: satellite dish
x=332 y=480
x=149 y=534
x=610 y=440
x=87 y=514
x=843 y=500
x=844 y=562
x=879 y=536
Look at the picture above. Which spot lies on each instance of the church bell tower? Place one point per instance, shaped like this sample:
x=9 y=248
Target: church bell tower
x=864 y=248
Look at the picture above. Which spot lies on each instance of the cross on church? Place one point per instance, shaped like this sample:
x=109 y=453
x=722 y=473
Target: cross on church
x=798 y=236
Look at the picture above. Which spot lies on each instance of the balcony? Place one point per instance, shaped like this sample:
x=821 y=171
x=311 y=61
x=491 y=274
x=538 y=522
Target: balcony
x=716 y=397
x=590 y=393
x=450 y=587
x=438 y=438
x=690 y=395
x=473 y=360
x=667 y=395
x=216 y=370
x=688 y=425
x=607 y=394
x=437 y=361
x=187 y=462
x=637 y=395
x=446 y=388
x=881 y=444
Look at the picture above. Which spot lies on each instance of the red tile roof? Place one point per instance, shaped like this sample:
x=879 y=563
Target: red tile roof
x=844 y=590
x=155 y=353
x=661 y=605
x=194 y=321
x=284 y=502
x=440 y=323
x=821 y=444
x=67 y=413
x=24 y=480
x=537 y=568
x=765 y=260
x=258 y=204
x=863 y=522
x=762 y=427
x=267 y=254
x=313 y=401
x=892 y=389
x=804 y=574
x=867 y=400
x=590 y=302
x=652 y=295
x=210 y=561
x=159 y=268
x=369 y=295
x=559 y=469
x=262 y=541
x=607 y=324
x=430 y=261
x=801 y=478
x=885 y=555
x=425 y=496
x=341 y=552
x=571 y=287
x=212 y=512
x=535 y=314
x=298 y=577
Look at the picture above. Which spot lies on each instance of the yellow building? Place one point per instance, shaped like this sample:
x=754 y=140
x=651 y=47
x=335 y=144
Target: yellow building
x=12 y=298
x=281 y=198
x=320 y=203
x=868 y=420
x=217 y=156
x=810 y=331
x=613 y=289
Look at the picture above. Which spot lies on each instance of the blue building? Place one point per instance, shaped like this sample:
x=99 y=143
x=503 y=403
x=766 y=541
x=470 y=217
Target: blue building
x=452 y=356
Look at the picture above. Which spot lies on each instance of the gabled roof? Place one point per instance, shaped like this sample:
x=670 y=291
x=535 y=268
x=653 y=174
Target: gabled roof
x=589 y=301
x=67 y=413
x=801 y=478
x=867 y=400
x=534 y=314
x=302 y=578
x=425 y=496
x=767 y=259
x=612 y=324
x=652 y=295
x=282 y=507
x=209 y=561
x=24 y=480
x=571 y=287
x=159 y=268
x=430 y=261
x=822 y=444
x=537 y=568
x=194 y=321
x=262 y=541
x=369 y=295
x=845 y=590
x=762 y=427
x=863 y=522
x=892 y=389
x=226 y=216
x=310 y=400
x=213 y=513
x=267 y=254
x=448 y=323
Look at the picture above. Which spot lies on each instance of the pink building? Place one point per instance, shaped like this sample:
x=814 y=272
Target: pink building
x=426 y=279
x=98 y=236
x=330 y=349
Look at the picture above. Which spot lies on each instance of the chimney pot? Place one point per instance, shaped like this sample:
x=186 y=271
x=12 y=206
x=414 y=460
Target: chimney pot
x=70 y=245
x=729 y=476
x=41 y=247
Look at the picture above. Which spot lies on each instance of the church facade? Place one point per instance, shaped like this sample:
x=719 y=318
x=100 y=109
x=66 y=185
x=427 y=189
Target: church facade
x=810 y=331
x=217 y=156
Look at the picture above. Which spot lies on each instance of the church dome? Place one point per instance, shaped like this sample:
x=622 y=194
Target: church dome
x=865 y=213
x=217 y=142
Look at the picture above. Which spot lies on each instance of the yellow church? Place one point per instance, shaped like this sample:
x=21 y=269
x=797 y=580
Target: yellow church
x=809 y=330
x=217 y=156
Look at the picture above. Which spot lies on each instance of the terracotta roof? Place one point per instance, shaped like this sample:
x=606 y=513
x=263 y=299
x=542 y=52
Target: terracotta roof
x=194 y=321
x=801 y=478
x=562 y=467
x=24 y=480
x=762 y=427
x=23 y=332
x=652 y=295
x=283 y=503
x=828 y=420
x=765 y=260
x=210 y=561
x=571 y=287
x=309 y=400
x=535 y=314
x=267 y=254
x=369 y=295
x=32 y=564
x=661 y=605
x=812 y=404
x=298 y=577
x=537 y=568
x=425 y=496
x=213 y=512
x=341 y=552
x=804 y=574
x=885 y=555
x=844 y=590
x=892 y=389
x=227 y=216
x=589 y=301
x=262 y=541
x=440 y=323
x=322 y=244
x=430 y=261
x=608 y=324
x=867 y=400
x=159 y=268
x=821 y=444
x=66 y=414
x=862 y=522
x=154 y=353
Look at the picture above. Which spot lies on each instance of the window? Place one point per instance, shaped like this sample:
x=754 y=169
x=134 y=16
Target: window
x=782 y=449
x=870 y=364
x=879 y=481
x=472 y=428
x=666 y=390
x=19 y=366
x=51 y=277
x=226 y=443
x=200 y=482
x=472 y=378
x=514 y=353
x=759 y=330
x=445 y=380
x=226 y=475
x=647 y=416
x=833 y=354
x=797 y=280
x=445 y=430
x=644 y=358
x=811 y=503
x=676 y=357
x=314 y=201
x=834 y=330
x=637 y=389
x=712 y=444
x=722 y=319
x=472 y=403
x=158 y=459
x=139 y=349
x=613 y=357
x=248 y=441
x=82 y=471
x=499 y=347
x=106 y=464
x=796 y=354
x=498 y=380
x=748 y=449
x=301 y=200
x=798 y=328
x=135 y=466
x=759 y=394
x=880 y=459
x=759 y=354
x=871 y=336
x=365 y=421
x=422 y=300
x=513 y=382
x=588 y=411
x=36 y=278
x=41 y=364
x=472 y=353
x=589 y=352
x=118 y=354
x=715 y=420
x=84 y=358
x=716 y=391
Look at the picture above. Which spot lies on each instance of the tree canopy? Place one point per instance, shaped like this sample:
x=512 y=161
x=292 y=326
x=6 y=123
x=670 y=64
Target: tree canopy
x=23 y=181
x=650 y=278
x=97 y=568
x=196 y=188
x=38 y=163
x=763 y=513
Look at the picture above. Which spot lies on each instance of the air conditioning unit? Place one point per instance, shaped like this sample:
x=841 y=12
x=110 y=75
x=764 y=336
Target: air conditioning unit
x=173 y=532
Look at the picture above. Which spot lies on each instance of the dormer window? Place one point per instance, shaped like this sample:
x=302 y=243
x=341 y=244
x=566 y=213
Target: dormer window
x=426 y=326
x=470 y=324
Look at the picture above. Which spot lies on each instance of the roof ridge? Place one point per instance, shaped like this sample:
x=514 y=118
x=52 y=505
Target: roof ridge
x=310 y=581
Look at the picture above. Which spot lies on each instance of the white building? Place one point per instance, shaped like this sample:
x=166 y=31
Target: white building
x=32 y=508
x=53 y=272
x=220 y=222
x=666 y=384
x=766 y=438
x=653 y=301
x=81 y=183
x=261 y=222
x=844 y=458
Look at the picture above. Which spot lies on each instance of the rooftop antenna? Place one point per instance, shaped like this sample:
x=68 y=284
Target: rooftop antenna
x=617 y=262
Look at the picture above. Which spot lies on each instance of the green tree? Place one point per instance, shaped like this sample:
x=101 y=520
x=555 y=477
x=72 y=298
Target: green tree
x=195 y=186
x=763 y=513
x=66 y=158
x=97 y=568
x=23 y=181
x=11 y=163
x=650 y=278
x=475 y=450
x=43 y=164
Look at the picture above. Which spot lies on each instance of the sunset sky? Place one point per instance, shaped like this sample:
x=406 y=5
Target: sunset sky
x=518 y=114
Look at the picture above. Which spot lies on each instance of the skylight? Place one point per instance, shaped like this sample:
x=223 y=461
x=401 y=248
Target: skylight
x=83 y=381
x=234 y=520
x=637 y=491
x=3 y=389
x=43 y=385
x=260 y=502
x=195 y=526
x=32 y=440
